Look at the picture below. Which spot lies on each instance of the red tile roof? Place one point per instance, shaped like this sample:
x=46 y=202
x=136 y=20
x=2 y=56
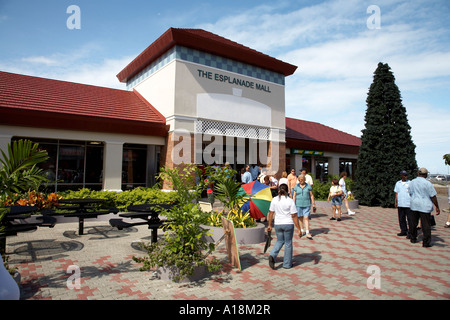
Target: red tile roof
x=204 y=41
x=40 y=102
x=313 y=135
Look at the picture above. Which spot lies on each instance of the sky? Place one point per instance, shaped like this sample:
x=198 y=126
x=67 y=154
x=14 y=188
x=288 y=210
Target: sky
x=336 y=45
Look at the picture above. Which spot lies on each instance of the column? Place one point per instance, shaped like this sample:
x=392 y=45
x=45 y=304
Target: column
x=298 y=163
x=112 y=166
x=333 y=165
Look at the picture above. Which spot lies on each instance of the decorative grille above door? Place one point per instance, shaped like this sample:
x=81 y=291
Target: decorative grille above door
x=231 y=129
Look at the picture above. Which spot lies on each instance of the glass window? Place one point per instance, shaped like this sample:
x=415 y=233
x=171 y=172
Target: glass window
x=94 y=165
x=349 y=166
x=134 y=166
x=72 y=165
x=321 y=168
x=49 y=166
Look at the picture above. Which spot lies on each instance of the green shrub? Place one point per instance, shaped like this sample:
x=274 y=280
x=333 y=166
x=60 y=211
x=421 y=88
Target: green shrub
x=121 y=200
x=321 y=189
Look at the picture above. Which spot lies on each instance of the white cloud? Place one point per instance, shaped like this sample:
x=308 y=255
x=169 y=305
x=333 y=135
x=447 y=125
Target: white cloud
x=100 y=74
x=337 y=54
x=271 y=28
x=80 y=66
x=41 y=60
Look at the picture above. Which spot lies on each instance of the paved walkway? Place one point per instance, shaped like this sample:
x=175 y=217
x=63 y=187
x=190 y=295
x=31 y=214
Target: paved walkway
x=332 y=266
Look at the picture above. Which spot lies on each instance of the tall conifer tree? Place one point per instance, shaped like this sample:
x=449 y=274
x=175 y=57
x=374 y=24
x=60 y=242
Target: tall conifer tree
x=386 y=143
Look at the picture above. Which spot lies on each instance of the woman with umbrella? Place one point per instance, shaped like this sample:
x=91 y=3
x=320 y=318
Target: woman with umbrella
x=285 y=212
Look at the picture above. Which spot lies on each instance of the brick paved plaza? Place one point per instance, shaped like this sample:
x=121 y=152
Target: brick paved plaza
x=332 y=266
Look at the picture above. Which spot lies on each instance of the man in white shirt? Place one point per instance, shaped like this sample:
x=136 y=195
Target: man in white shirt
x=402 y=203
x=308 y=178
x=423 y=196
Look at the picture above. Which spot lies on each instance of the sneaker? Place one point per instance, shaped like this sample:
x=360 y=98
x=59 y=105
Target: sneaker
x=332 y=218
x=338 y=219
x=309 y=236
x=350 y=213
x=272 y=262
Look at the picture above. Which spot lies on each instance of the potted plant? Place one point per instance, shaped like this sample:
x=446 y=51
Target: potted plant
x=18 y=173
x=247 y=231
x=183 y=249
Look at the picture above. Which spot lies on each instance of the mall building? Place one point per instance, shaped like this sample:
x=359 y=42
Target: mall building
x=192 y=97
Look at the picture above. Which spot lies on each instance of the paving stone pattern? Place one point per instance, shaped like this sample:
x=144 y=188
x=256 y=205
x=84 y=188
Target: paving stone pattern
x=332 y=266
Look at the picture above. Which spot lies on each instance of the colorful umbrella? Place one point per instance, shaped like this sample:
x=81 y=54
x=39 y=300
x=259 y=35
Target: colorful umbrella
x=257 y=199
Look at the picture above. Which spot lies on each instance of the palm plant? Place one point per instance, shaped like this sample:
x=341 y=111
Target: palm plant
x=19 y=172
x=228 y=190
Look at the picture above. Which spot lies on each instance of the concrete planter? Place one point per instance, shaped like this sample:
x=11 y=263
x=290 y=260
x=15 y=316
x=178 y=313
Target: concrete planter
x=353 y=204
x=243 y=235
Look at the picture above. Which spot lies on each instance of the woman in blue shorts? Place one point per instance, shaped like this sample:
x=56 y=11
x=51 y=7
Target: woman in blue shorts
x=336 y=199
x=303 y=197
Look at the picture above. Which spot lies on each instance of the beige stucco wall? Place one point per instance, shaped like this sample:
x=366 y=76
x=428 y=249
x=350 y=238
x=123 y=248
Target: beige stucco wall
x=183 y=94
x=176 y=88
x=159 y=89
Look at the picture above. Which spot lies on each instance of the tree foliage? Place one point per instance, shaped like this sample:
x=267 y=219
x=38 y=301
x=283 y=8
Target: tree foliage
x=19 y=171
x=387 y=146
x=446 y=158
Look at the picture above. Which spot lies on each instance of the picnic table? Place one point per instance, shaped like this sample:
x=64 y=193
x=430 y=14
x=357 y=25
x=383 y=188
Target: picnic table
x=149 y=213
x=21 y=219
x=86 y=208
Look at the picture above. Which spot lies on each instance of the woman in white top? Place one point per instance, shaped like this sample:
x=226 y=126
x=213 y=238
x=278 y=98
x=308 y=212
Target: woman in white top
x=285 y=212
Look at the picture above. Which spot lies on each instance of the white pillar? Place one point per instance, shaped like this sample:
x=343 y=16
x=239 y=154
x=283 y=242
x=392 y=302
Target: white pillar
x=298 y=163
x=333 y=165
x=112 y=166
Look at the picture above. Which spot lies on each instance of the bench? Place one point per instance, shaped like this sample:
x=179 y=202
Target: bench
x=120 y=225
